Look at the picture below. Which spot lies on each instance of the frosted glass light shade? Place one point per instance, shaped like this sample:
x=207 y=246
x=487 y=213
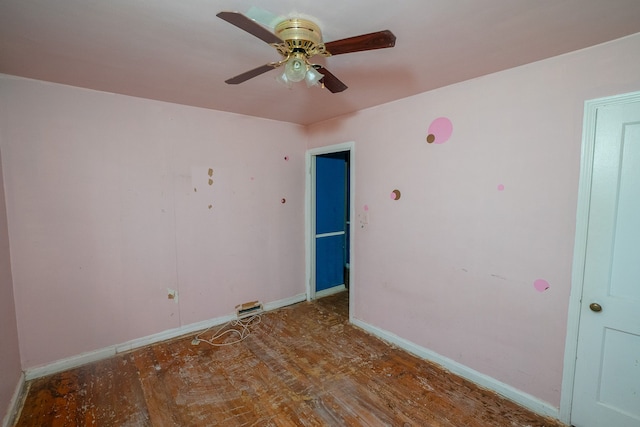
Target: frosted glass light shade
x=312 y=77
x=295 y=69
x=282 y=78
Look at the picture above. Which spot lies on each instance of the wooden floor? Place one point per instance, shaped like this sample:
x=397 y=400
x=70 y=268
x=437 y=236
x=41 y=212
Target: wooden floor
x=303 y=365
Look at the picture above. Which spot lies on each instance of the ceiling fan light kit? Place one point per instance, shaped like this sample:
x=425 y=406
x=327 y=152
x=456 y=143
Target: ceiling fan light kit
x=297 y=40
x=311 y=77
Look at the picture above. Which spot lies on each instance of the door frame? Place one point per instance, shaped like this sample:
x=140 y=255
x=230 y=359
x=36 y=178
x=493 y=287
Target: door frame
x=580 y=245
x=310 y=215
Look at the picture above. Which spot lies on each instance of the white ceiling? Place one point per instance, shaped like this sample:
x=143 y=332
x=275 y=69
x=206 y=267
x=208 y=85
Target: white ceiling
x=179 y=51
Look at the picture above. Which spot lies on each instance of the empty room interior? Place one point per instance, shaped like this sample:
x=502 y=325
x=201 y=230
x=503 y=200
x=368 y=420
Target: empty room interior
x=426 y=183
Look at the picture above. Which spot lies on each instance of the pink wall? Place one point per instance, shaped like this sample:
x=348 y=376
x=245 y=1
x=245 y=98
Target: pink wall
x=9 y=350
x=109 y=204
x=108 y=198
x=450 y=266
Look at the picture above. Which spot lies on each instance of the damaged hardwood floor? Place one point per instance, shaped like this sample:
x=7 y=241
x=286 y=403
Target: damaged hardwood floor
x=302 y=365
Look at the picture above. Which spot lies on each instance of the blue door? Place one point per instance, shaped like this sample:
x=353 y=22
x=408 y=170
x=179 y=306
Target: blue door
x=331 y=220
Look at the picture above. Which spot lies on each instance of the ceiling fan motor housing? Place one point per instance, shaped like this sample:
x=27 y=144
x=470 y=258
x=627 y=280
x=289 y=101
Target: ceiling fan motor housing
x=301 y=35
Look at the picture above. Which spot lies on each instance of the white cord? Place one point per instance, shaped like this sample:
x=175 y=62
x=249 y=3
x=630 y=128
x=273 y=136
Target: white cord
x=243 y=331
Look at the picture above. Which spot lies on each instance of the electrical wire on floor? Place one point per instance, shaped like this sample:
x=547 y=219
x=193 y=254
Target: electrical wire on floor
x=239 y=327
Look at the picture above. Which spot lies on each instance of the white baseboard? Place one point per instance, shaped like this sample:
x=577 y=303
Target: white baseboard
x=172 y=333
x=524 y=399
x=106 y=352
x=330 y=291
x=15 y=404
x=284 y=302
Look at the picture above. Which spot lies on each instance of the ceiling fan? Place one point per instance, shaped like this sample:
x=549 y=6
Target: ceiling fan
x=297 y=40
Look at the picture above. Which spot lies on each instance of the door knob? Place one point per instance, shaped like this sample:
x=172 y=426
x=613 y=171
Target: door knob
x=594 y=306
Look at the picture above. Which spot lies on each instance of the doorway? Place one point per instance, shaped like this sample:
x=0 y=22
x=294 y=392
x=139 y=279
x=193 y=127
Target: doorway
x=329 y=216
x=601 y=384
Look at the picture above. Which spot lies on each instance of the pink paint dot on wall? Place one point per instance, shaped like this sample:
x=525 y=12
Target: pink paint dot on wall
x=541 y=285
x=440 y=130
x=365 y=207
x=500 y=187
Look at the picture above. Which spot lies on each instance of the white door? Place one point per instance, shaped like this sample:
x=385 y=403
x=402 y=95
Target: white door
x=607 y=377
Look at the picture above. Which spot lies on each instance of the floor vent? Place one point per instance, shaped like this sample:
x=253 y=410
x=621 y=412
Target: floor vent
x=248 y=309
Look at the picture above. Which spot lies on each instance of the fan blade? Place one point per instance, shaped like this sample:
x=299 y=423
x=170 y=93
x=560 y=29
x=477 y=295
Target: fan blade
x=250 y=74
x=379 y=40
x=330 y=81
x=250 y=26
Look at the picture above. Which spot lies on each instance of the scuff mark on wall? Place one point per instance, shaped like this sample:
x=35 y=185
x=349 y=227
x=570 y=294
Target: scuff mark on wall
x=199 y=177
x=363 y=217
